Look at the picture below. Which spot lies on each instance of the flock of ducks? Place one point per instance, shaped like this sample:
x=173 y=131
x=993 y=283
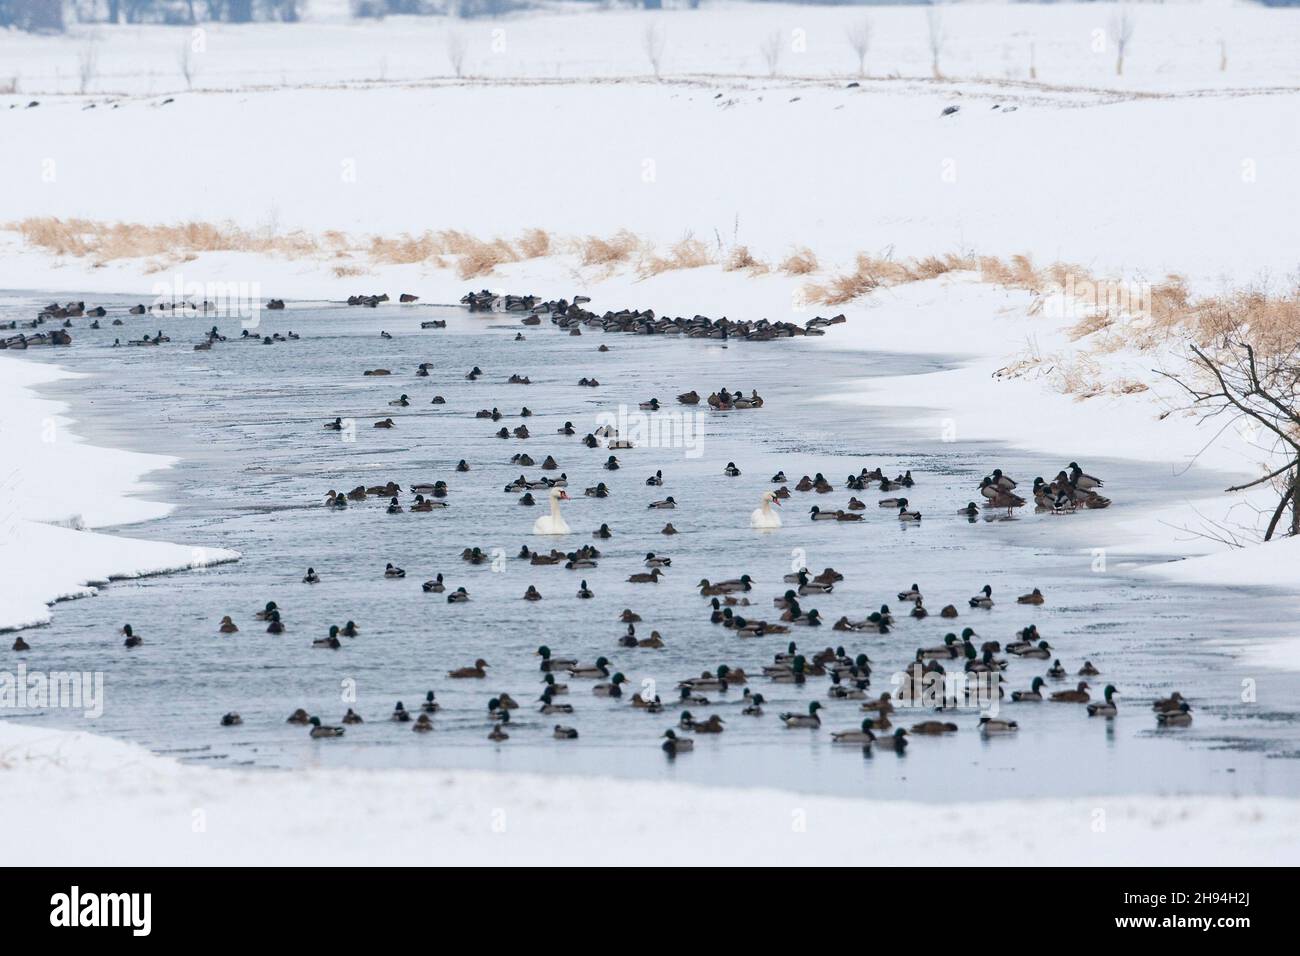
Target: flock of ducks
x=847 y=675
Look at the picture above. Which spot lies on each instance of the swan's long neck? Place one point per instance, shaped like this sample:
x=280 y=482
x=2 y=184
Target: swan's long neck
x=767 y=507
x=555 y=509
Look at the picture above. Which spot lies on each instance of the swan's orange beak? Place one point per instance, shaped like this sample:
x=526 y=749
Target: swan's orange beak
x=564 y=495
x=777 y=502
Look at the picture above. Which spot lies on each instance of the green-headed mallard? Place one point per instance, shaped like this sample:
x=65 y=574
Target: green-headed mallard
x=1107 y=707
x=612 y=689
x=1182 y=717
x=231 y=719
x=590 y=671
x=550 y=707
x=984 y=598
x=809 y=719
x=352 y=717
x=754 y=704
x=897 y=741
x=862 y=736
x=674 y=745
x=1035 y=692
x=564 y=733
x=320 y=730
x=994 y=727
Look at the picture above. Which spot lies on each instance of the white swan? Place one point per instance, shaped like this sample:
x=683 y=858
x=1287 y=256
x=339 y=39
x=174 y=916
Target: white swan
x=764 y=517
x=553 y=523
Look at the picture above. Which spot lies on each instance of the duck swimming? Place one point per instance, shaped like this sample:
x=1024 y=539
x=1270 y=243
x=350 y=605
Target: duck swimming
x=392 y=571
x=311 y=577
x=809 y=719
x=479 y=669
x=674 y=745
x=320 y=730
x=1106 y=708
x=132 y=639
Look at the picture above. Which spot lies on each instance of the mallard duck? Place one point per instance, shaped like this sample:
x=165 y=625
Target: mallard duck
x=231 y=719
x=132 y=639
x=911 y=594
x=320 y=730
x=1057 y=670
x=392 y=571
x=311 y=577
x=422 y=724
x=21 y=645
x=895 y=742
x=904 y=514
x=711 y=726
x=434 y=586
x=612 y=689
x=883 y=705
x=266 y=612
x=1077 y=696
x=1035 y=692
x=919 y=610
x=650 y=577
x=667 y=504
x=754 y=704
x=809 y=586
x=532 y=594
x=674 y=745
x=556 y=689
x=817 y=514
x=862 y=736
x=227 y=626
x=400 y=713
x=352 y=717
x=669 y=529
x=686 y=695
x=993 y=727
x=564 y=733
x=1042 y=651
x=275 y=625
x=655 y=561
x=550 y=707
x=970 y=511
x=1182 y=717
x=809 y=719
x=299 y=716
x=430 y=705
x=350 y=629
x=1106 y=708
x=1083 y=481
x=1087 y=670
x=330 y=641
x=855 y=690
x=1168 y=704
x=1033 y=597
x=479 y=669
x=585 y=592
x=731 y=471
x=458 y=596
x=597 y=670
x=984 y=598
x=934 y=728
x=386 y=423
x=551 y=663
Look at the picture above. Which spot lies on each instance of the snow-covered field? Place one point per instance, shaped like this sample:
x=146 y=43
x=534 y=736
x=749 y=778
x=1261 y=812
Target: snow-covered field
x=1177 y=166
x=118 y=804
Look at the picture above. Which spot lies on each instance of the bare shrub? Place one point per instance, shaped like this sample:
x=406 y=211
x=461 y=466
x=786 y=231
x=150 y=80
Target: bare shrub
x=87 y=64
x=456 y=48
x=653 y=42
x=937 y=37
x=1120 y=29
x=770 y=51
x=859 y=37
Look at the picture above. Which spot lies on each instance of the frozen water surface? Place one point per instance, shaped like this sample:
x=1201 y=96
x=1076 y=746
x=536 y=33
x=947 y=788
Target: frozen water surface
x=246 y=420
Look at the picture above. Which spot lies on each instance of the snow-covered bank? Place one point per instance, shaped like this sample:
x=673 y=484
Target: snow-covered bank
x=53 y=486
x=88 y=800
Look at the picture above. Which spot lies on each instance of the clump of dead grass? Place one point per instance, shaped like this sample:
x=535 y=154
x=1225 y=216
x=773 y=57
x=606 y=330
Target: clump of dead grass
x=800 y=262
x=741 y=259
x=687 y=253
x=617 y=249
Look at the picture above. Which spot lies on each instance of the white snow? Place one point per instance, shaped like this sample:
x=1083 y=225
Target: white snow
x=88 y=801
x=53 y=486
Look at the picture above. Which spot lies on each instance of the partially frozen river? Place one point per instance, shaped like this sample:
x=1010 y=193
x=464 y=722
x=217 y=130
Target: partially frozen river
x=246 y=420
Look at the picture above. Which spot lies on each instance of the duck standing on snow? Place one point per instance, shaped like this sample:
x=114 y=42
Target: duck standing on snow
x=553 y=523
x=763 y=517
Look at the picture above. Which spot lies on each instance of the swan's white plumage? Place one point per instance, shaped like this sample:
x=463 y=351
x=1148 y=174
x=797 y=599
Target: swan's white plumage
x=552 y=523
x=763 y=517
